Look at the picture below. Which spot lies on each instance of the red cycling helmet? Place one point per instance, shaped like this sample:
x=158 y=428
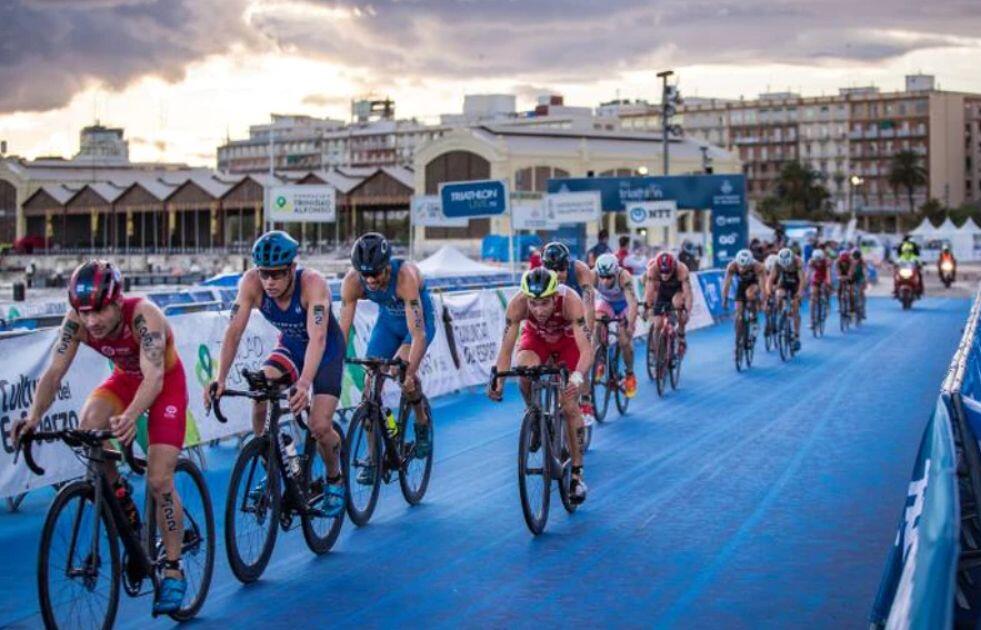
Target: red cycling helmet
x=94 y=285
x=665 y=263
x=844 y=256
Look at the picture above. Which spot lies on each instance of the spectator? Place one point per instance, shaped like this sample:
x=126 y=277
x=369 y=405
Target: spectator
x=624 y=250
x=599 y=248
x=534 y=258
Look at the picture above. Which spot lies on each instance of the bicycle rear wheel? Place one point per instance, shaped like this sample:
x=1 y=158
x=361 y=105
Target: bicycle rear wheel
x=600 y=382
x=78 y=586
x=198 y=544
x=252 y=511
x=363 y=454
x=415 y=472
x=534 y=480
x=565 y=481
x=319 y=530
x=620 y=393
x=844 y=314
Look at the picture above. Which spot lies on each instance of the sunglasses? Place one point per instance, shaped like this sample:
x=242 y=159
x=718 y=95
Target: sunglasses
x=371 y=275
x=273 y=274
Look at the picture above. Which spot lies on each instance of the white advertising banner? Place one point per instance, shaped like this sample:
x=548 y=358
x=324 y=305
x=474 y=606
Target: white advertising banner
x=18 y=380
x=652 y=214
x=476 y=319
x=301 y=204
x=532 y=217
x=573 y=207
x=427 y=211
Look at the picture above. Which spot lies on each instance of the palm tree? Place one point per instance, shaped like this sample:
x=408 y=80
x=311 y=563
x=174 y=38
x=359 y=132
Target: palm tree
x=802 y=189
x=907 y=172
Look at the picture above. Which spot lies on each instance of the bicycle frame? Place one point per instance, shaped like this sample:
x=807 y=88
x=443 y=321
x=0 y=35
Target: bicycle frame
x=371 y=400
x=103 y=497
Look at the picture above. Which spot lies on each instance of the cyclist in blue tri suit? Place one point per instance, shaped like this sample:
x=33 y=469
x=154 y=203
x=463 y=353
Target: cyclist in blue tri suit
x=405 y=326
x=311 y=349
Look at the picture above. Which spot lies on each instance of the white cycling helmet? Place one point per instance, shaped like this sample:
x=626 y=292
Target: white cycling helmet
x=606 y=266
x=785 y=258
x=744 y=258
x=817 y=255
x=769 y=262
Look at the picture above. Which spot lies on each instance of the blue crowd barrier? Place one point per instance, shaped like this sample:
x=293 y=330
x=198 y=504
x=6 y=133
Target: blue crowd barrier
x=931 y=578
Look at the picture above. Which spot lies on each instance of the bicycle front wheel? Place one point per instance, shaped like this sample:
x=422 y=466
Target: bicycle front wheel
x=252 y=511
x=319 y=530
x=416 y=470
x=364 y=466
x=620 y=393
x=601 y=382
x=651 y=352
x=674 y=362
x=78 y=569
x=660 y=372
x=534 y=478
x=198 y=542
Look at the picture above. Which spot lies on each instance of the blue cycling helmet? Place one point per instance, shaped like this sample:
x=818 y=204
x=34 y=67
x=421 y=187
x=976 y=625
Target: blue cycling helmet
x=274 y=249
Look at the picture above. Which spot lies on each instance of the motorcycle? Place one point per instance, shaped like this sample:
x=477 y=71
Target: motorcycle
x=947 y=272
x=904 y=283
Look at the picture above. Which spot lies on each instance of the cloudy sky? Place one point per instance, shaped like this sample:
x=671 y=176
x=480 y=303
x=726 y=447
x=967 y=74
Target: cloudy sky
x=180 y=75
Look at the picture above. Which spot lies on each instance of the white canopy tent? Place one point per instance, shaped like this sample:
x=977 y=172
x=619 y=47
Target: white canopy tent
x=449 y=261
x=758 y=229
x=925 y=230
x=968 y=243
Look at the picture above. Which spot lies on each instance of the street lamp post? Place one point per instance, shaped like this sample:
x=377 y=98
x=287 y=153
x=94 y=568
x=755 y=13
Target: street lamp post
x=665 y=115
x=856 y=181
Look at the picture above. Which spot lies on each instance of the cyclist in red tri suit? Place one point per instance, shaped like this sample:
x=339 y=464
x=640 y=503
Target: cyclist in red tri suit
x=555 y=330
x=820 y=270
x=147 y=377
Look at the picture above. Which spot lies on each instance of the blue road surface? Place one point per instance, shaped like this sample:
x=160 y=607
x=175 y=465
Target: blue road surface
x=763 y=499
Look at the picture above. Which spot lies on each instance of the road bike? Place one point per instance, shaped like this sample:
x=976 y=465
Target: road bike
x=79 y=563
x=273 y=482
x=381 y=446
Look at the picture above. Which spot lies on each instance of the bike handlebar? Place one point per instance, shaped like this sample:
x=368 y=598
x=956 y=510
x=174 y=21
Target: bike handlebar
x=76 y=438
x=536 y=371
x=260 y=389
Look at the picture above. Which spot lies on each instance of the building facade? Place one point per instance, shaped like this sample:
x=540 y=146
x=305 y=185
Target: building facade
x=850 y=137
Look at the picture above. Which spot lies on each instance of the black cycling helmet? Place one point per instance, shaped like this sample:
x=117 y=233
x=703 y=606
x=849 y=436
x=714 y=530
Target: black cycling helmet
x=371 y=254
x=555 y=256
x=94 y=285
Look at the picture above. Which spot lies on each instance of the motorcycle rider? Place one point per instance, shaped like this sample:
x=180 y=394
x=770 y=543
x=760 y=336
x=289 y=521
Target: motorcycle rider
x=947 y=259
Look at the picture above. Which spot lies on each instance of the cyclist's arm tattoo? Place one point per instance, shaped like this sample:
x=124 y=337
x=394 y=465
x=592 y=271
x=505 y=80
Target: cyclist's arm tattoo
x=151 y=341
x=581 y=322
x=417 y=317
x=68 y=333
x=508 y=323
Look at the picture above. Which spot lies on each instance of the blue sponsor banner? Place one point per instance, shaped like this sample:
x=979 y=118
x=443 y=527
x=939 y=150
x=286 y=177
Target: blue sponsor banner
x=917 y=588
x=724 y=195
x=485 y=198
x=711 y=283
